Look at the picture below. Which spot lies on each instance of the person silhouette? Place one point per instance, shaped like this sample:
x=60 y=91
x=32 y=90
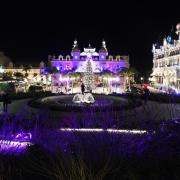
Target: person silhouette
x=146 y=95
x=6 y=100
x=82 y=88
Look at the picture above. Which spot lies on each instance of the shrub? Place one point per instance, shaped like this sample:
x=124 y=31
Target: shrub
x=7 y=87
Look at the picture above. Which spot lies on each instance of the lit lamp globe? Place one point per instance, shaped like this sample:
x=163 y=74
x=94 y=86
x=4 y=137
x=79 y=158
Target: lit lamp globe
x=178 y=29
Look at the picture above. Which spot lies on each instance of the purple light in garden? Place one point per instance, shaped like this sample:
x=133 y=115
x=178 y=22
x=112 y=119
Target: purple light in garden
x=24 y=136
x=16 y=143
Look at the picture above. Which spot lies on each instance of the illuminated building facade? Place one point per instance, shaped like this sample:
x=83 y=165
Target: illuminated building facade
x=101 y=60
x=166 y=63
x=101 y=63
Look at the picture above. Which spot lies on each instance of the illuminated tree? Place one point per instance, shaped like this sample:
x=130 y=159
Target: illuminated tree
x=88 y=76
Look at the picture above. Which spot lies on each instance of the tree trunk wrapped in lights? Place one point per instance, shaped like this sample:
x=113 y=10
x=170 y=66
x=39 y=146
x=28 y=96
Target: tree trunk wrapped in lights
x=89 y=76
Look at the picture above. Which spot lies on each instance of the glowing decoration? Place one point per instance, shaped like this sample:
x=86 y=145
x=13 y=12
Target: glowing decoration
x=58 y=68
x=49 y=78
x=1 y=69
x=89 y=76
x=120 y=131
x=23 y=136
x=16 y=144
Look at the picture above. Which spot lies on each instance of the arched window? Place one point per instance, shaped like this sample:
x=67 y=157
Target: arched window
x=68 y=57
x=118 y=58
x=110 y=58
x=60 y=57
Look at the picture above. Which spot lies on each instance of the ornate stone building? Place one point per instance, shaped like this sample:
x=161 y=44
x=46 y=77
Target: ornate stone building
x=166 y=63
x=102 y=64
x=100 y=60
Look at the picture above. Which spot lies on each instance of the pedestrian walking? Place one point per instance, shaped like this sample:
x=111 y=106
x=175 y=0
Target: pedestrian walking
x=6 y=101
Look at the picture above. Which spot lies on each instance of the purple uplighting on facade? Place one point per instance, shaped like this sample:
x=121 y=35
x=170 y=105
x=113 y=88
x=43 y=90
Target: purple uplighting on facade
x=101 y=61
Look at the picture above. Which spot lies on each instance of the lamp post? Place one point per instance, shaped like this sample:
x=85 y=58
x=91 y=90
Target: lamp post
x=142 y=80
x=149 y=79
x=116 y=79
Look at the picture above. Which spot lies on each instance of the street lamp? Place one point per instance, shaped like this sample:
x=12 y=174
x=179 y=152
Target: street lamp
x=142 y=80
x=1 y=69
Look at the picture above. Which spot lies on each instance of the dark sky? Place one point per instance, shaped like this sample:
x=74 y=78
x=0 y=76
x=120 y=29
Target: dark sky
x=30 y=34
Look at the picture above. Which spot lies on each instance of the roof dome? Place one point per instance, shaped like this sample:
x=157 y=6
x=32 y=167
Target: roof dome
x=103 y=48
x=4 y=60
x=75 y=49
x=75 y=46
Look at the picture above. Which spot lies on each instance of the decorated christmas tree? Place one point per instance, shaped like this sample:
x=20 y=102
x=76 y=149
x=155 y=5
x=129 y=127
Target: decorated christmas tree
x=89 y=76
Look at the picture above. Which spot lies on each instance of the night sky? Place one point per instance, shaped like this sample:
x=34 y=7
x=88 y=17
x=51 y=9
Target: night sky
x=32 y=34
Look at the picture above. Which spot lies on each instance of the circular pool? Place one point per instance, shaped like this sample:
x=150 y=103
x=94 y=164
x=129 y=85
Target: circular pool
x=102 y=103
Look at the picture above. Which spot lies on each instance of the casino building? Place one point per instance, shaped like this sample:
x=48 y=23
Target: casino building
x=100 y=60
x=106 y=68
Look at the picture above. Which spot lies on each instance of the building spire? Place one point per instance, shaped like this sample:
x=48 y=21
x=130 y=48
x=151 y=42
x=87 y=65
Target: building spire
x=89 y=44
x=103 y=43
x=75 y=43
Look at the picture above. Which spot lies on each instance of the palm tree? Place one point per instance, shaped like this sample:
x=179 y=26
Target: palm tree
x=35 y=76
x=27 y=68
x=53 y=71
x=18 y=75
x=106 y=74
x=129 y=74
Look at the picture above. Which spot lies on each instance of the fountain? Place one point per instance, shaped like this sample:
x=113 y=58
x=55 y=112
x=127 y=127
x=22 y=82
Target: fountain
x=83 y=98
